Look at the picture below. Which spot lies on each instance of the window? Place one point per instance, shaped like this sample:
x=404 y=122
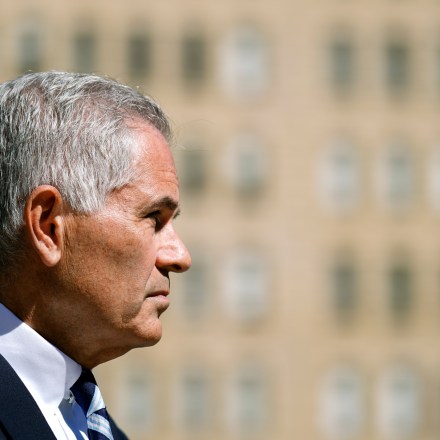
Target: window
x=30 y=47
x=84 y=50
x=194 y=400
x=400 y=290
x=192 y=166
x=396 y=66
x=344 y=288
x=139 y=53
x=137 y=400
x=342 y=404
x=195 y=296
x=246 y=164
x=397 y=177
x=340 y=177
x=245 y=286
x=193 y=59
x=248 y=407
x=342 y=65
x=399 y=403
x=244 y=63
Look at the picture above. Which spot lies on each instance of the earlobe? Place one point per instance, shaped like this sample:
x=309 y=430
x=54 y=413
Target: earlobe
x=44 y=223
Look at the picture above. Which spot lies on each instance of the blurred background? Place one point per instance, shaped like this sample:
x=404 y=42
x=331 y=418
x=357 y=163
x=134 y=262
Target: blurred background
x=308 y=148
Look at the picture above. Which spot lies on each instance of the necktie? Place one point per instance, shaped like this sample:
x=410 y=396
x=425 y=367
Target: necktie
x=89 y=398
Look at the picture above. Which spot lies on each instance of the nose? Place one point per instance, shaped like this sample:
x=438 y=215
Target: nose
x=172 y=255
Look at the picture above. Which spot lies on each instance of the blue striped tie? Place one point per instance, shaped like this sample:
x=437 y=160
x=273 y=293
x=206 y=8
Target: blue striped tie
x=89 y=398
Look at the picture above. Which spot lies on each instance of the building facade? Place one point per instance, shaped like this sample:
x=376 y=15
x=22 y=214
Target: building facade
x=308 y=149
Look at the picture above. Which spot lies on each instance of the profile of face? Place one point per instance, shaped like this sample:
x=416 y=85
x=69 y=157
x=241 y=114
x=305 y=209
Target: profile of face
x=113 y=274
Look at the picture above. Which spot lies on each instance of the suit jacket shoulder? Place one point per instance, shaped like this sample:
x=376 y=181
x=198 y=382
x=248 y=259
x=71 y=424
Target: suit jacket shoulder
x=20 y=417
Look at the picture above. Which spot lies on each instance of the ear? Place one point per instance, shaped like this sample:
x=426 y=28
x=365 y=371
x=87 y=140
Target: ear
x=44 y=223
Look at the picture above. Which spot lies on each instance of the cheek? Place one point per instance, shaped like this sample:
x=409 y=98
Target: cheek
x=129 y=251
x=127 y=284
x=138 y=258
x=110 y=266
x=133 y=265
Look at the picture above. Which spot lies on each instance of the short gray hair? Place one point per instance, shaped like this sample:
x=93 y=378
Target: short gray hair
x=68 y=130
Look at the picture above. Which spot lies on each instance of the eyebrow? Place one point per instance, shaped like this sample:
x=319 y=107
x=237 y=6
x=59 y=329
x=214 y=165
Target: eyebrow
x=166 y=202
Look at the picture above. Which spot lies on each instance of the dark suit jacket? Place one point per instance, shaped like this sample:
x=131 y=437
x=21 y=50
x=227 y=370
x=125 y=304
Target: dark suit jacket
x=20 y=417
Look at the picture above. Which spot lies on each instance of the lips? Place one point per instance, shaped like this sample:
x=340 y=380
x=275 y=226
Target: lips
x=159 y=299
x=158 y=293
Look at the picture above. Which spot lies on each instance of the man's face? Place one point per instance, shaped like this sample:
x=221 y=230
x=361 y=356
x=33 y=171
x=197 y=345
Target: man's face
x=115 y=274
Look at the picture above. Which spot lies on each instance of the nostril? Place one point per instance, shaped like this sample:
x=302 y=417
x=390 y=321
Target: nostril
x=178 y=268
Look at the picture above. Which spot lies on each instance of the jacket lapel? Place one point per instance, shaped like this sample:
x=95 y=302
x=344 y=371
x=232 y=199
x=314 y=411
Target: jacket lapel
x=20 y=416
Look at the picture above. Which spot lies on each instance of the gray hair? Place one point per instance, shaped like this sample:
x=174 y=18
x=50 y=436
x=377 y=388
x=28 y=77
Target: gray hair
x=67 y=130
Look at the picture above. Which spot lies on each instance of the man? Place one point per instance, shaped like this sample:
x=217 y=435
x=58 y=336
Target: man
x=88 y=194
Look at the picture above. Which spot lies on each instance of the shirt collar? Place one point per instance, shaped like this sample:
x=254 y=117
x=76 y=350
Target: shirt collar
x=46 y=372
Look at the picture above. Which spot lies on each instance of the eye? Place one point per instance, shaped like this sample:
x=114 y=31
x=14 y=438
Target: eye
x=156 y=216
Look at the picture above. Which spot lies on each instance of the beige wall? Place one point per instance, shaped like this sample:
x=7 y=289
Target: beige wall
x=298 y=340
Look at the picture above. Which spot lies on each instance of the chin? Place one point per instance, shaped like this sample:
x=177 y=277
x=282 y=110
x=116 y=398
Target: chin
x=151 y=335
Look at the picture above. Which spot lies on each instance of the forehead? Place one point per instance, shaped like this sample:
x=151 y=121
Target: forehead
x=155 y=174
x=150 y=147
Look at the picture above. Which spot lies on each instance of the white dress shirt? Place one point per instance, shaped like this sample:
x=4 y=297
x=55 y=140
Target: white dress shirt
x=46 y=372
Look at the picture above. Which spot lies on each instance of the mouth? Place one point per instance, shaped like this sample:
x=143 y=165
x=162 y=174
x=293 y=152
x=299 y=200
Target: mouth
x=159 y=293
x=159 y=299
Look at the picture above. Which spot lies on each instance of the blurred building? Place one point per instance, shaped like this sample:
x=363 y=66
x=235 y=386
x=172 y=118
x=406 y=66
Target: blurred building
x=308 y=147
